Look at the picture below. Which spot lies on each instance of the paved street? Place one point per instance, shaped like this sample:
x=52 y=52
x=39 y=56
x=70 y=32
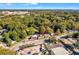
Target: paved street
x=35 y=42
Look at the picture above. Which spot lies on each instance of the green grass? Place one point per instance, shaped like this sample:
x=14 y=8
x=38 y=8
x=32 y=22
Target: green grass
x=4 y=51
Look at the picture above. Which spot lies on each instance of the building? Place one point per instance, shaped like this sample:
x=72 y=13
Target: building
x=14 y=12
x=30 y=50
x=72 y=40
x=34 y=37
x=66 y=41
x=57 y=49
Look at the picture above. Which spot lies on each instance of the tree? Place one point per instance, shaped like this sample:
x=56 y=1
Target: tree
x=58 y=31
x=0 y=27
x=75 y=35
x=62 y=27
x=8 y=40
x=23 y=34
x=48 y=30
x=45 y=22
x=31 y=30
x=42 y=29
x=52 y=40
x=14 y=36
x=77 y=26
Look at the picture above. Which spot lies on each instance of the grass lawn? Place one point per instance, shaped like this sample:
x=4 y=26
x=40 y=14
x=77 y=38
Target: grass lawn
x=4 y=51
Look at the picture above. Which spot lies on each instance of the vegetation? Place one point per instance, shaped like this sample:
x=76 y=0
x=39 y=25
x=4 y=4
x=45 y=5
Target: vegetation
x=39 y=21
x=45 y=51
x=75 y=35
x=4 y=51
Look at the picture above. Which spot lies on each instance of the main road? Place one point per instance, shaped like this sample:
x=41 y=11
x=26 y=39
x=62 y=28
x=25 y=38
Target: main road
x=26 y=41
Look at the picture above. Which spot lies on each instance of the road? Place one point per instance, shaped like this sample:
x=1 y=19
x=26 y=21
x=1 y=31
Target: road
x=35 y=42
x=26 y=41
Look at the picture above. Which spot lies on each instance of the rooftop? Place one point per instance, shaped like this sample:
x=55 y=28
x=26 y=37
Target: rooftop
x=54 y=46
x=60 y=51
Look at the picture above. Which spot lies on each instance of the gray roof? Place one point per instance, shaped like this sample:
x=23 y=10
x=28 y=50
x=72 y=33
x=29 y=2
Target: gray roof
x=60 y=51
x=54 y=46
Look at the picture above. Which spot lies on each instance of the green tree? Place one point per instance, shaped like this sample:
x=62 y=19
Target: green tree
x=32 y=30
x=14 y=36
x=48 y=30
x=42 y=29
x=8 y=40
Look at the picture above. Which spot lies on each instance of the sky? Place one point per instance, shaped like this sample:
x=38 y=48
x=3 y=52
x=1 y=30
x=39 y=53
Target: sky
x=39 y=5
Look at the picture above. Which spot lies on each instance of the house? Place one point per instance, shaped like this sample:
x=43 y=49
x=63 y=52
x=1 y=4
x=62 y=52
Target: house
x=57 y=49
x=66 y=41
x=35 y=37
x=30 y=50
x=72 y=40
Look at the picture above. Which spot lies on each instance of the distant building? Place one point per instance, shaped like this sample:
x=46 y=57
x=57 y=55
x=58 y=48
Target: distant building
x=14 y=12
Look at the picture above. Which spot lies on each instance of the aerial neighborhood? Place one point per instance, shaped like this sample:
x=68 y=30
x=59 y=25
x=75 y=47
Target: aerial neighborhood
x=39 y=32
